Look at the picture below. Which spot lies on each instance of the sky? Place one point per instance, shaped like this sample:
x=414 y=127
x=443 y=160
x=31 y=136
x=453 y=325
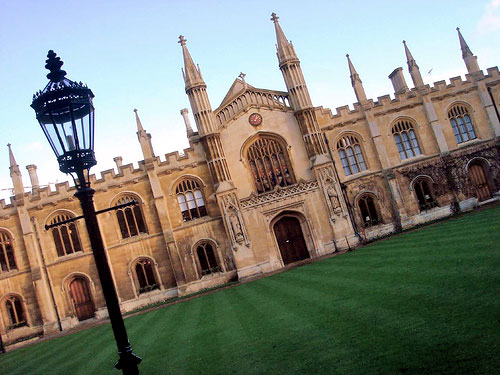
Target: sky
x=127 y=53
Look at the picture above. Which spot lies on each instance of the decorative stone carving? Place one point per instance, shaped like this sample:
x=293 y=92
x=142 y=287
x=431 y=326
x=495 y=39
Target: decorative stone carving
x=331 y=190
x=278 y=193
x=234 y=220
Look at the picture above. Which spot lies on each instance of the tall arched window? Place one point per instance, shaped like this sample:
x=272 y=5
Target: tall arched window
x=130 y=218
x=351 y=155
x=461 y=123
x=190 y=199
x=368 y=210
x=145 y=275
x=7 y=260
x=269 y=164
x=15 y=312
x=406 y=139
x=207 y=258
x=424 y=193
x=65 y=236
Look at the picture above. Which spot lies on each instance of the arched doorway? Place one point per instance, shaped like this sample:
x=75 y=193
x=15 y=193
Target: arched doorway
x=290 y=240
x=82 y=300
x=479 y=181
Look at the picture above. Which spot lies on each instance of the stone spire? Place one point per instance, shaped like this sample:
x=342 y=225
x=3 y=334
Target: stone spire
x=356 y=82
x=191 y=72
x=144 y=139
x=285 y=50
x=15 y=174
x=413 y=68
x=469 y=59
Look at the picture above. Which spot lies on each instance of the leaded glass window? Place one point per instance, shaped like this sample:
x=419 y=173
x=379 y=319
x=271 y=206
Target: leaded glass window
x=7 y=260
x=406 y=139
x=461 y=123
x=351 y=155
x=65 y=236
x=130 y=219
x=190 y=199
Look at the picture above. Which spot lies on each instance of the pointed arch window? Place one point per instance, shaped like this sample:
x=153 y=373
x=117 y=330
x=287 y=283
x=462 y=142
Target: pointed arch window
x=65 y=236
x=406 y=139
x=351 y=155
x=424 y=193
x=190 y=199
x=7 y=259
x=207 y=259
x=368 y=210
x=145 y=275
x=130 y=219
x=15 y=312
x=269 y=164
x=461 y=123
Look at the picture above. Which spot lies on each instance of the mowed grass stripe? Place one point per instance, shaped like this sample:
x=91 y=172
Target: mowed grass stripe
x=423 y=302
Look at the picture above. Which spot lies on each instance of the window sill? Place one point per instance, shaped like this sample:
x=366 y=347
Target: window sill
x=6 y=274
x=468 y=143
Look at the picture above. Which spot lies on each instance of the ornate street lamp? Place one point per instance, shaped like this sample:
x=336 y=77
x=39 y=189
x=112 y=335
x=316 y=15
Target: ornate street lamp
x=65 y=112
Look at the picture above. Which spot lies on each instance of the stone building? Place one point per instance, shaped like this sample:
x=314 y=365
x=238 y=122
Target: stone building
x=269 y=179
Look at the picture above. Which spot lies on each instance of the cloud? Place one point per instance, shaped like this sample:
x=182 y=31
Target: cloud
x=490 y=21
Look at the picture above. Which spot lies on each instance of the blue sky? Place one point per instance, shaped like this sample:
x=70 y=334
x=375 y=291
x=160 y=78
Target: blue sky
x=127 y=52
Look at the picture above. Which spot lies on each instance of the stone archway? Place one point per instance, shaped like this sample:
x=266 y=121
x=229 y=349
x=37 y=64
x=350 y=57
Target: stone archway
x=290 y=239
x=479 y=175
x=82 y=299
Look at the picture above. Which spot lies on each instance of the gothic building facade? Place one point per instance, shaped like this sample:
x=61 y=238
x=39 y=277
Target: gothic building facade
x=269 y=179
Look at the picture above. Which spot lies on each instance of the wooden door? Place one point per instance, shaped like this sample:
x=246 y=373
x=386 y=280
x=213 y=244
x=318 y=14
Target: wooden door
x=479 y=182
x=290 y=240
x=82 y=300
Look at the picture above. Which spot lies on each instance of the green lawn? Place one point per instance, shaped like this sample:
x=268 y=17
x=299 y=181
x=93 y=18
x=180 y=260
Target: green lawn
x=425 y=302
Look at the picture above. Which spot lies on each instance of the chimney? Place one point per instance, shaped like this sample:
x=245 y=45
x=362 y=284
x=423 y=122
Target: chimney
x=189 y=129
x=118 y=160
x=398 y=81
x=35 y=185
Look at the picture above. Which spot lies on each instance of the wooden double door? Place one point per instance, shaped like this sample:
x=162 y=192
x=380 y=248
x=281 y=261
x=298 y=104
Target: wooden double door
x=82 y=299
x=290 y=238
x=479 y=182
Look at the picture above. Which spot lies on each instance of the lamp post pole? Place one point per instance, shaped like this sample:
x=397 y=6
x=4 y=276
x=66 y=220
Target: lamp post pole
x=65 y=112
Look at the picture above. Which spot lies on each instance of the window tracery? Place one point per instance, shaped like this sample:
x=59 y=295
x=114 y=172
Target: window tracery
x=15 y=312
x=65 y=236
x=190 y=199
x=207 y=258
x=7 y=259
x=145 y=275
x=406 y=139
x=461 y=123
x=269 y=164
x=351 y=155
x=130 y=219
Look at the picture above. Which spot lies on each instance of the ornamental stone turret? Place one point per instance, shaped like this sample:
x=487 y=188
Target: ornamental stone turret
x=356 y=82
x=144 y=139
x=416 y=77
x=15 y=174
x=469 y=59
x=300 y=100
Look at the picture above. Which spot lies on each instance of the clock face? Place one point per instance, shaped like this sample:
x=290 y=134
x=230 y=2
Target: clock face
x=255 y=119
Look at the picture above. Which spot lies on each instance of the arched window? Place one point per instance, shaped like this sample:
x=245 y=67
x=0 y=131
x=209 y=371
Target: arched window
x=406 y=139
x=207 y=259
x=190 y=199
x=145 y=275
x=425 y=194
x=130 y=218
x=7 y=260
x=461 y=123
x=368 y=210
x=15 y=312
x=351 y=155
x=65 y=236
x=269 y=164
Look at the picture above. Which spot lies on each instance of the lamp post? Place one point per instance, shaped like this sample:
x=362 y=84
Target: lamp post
x=65 y=112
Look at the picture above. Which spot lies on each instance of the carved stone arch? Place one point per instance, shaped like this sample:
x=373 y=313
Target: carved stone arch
x=477 y=159
x=375 y=193
x=205 y=265
x=117 y=196
x=250 y=140
x=9 y=232
x=458 y=102
x=291 y=217
x=398 y=118
x=156 y=283
x=368 y=213
x=186 y=176
x=80 y=310
x=4 y=313
x=420 y=176
x=348 y=132
x=59 y=212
